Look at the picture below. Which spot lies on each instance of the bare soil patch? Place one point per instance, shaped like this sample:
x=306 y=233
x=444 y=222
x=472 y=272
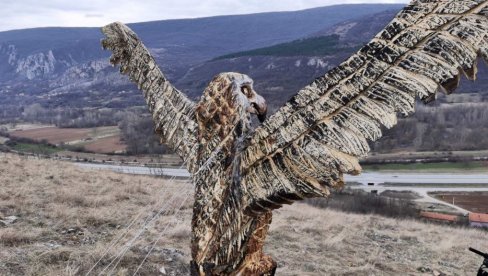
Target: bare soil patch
x=97 y=140
x=54 y=135
x=473 y=201
x=111 y=144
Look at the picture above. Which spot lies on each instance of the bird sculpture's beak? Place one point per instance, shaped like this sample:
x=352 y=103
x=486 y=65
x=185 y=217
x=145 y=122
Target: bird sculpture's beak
x=262 y=116
x=260 y=107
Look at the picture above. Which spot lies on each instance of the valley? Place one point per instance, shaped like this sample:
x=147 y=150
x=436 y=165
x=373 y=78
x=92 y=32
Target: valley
x=89 y=93
x=69 y=219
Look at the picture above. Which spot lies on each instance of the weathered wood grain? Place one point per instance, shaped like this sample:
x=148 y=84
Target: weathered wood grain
x=303 y=150
x=172 y=111
x=426 y=48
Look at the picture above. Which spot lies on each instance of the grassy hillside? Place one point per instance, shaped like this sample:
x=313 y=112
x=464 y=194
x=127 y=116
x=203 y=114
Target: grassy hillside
x=69 y=218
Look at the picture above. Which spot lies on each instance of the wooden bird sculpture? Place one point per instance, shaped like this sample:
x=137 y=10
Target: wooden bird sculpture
x=303 y=150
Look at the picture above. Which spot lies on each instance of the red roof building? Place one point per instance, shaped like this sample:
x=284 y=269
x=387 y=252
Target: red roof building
x=439 y=216
x=478 y=219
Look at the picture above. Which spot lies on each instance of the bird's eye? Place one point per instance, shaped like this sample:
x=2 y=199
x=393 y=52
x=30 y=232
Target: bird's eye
x=246 y=91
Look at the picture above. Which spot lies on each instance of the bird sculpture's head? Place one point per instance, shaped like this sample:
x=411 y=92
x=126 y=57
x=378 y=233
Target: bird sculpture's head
x=229 y=100
x=225 y=109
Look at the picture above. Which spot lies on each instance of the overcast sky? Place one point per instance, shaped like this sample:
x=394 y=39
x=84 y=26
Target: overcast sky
x=19 y=14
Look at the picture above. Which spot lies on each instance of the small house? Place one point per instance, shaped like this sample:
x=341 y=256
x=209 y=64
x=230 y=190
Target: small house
x=439 y=217
x=478 y=220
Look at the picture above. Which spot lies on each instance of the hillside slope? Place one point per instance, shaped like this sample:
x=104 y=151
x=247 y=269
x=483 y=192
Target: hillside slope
x=455 y=122
x=68 y=219
x=280 y=70
x=66 y=69
x=47 y=53
x=90 y=89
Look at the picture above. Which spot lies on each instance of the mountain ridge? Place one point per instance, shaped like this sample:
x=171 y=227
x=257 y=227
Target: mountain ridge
x=79 y=91
x=66 y=67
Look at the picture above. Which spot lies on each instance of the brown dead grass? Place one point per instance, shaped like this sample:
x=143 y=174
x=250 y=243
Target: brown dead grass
x=54 y=135
x=106 y=145
x=98 y=140
x=68 y=217
x=310 y=241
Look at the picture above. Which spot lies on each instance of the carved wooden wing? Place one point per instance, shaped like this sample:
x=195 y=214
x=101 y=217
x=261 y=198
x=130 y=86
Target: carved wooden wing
x=172 y=111
x=307 y=146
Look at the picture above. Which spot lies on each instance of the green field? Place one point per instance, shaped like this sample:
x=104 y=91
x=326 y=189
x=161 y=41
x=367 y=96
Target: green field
x=434 y=185
x=442 y=166
x=36 y=148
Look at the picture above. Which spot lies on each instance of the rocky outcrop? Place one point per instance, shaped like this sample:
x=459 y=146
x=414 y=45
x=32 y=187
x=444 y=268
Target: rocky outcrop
x=48 y=54
x=37 y=65
x=10 y=52
x=82 y=72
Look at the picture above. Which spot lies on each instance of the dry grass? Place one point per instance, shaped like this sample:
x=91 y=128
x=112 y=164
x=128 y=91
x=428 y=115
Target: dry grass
x=311 y=241
x=68 y=217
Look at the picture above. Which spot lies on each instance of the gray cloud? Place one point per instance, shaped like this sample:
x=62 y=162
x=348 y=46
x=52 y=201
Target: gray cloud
x=92 y=15
x=32 y=13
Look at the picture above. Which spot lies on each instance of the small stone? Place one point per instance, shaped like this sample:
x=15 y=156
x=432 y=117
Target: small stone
x=447 y=264
x=424 y=269
x=12 y=219
x=53 y=245
x=9 y=220
x=438 y=273
x=162 y=270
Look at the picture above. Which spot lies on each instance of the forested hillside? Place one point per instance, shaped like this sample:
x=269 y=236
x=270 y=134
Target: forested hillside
x=452 y=122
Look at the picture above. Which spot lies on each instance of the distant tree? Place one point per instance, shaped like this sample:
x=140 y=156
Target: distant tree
x=137 y=132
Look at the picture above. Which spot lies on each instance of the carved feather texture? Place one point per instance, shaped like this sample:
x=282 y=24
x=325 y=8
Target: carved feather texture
x=172 y=111
x=307 y=146
x=206 y=135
